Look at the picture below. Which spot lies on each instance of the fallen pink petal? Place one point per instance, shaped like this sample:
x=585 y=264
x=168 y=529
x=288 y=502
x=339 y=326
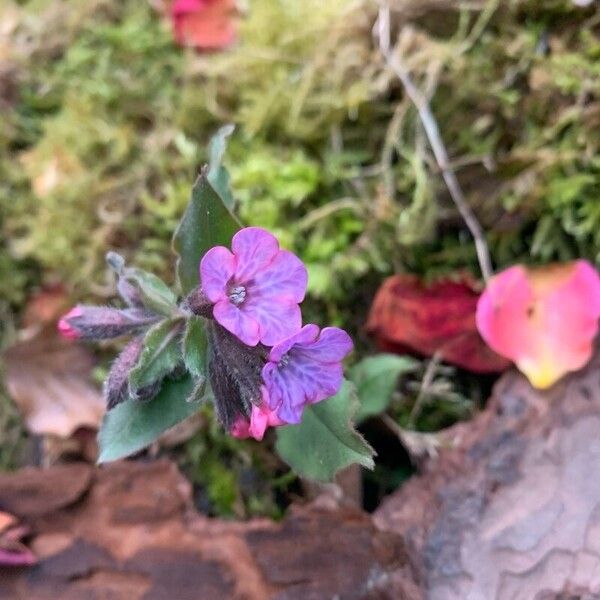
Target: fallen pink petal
x=544 y=319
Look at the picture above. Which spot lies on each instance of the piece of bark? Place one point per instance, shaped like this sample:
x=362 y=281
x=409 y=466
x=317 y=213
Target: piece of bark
x=511 y=510
x=134 y=534
x=31 y=493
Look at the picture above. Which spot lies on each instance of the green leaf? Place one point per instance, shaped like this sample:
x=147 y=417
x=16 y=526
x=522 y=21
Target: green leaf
x=200 y=392
x=375 y=378
x=207 y=222
x=160 y=356
x=217 y=175
x=133 y=425
x=155 y=294
x=195 y=347
x=326 y=440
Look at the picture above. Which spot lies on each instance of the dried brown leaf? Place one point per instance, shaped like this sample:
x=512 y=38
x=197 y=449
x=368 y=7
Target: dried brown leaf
x=48 y=379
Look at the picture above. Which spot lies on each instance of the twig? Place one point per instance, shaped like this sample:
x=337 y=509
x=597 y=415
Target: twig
x=435 y=141
x=417 y=443
x=424 y=389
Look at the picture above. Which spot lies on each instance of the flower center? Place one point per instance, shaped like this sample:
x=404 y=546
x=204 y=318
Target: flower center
x=237 y=294
x=284 y=360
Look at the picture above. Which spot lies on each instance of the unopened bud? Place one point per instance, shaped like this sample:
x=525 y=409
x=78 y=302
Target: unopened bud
x=102 y=322
x=64 y=326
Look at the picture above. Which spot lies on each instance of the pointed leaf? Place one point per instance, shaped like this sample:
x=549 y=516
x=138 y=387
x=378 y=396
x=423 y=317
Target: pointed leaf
x=154 y=293
x=326 y=440
x=132 y=425
x=206 y=223
x=195 y=347
x=160 y=355
x=218 y=175
x=375 y=378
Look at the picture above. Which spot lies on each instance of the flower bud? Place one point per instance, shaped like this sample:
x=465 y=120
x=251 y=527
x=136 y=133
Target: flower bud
x=102 y=322
x=64 y=326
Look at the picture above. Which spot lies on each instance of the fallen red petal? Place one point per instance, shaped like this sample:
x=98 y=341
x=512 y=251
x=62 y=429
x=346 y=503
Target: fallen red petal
x=204 y=24
x=410 y=315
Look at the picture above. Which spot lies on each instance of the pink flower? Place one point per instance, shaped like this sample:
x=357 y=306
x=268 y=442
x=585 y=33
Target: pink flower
x=305 y=369
x=545 y=319
x=256 y=289
x=261 y=418
x=65 y=328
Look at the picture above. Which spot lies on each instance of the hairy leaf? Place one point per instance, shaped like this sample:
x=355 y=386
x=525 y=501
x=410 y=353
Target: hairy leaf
x=326 y=440
x=160 y=355
x=154 y=293
x=207 y=222
x=218 y=176
x=131 y=426
x=375 y=378
x=195 y=347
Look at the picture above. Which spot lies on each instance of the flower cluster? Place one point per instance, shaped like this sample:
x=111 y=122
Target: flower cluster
x=268 y=367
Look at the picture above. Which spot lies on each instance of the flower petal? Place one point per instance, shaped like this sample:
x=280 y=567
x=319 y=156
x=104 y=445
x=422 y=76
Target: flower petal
x=277 y=318
x=241 y=324
x=286 y=276
x=307 y=334
x=332 y=346
x=240 y=429
x=298 y=383
x=286 y=397
x=254 y=250
x=500 y=310
x=543 y=319
x=259 y=421
x=216 y=269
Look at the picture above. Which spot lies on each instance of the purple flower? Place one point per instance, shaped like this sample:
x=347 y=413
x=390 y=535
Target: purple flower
x=304 y=369
x=256 y=289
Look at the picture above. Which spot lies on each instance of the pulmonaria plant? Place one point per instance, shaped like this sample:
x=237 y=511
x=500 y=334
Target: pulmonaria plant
x=231 y=334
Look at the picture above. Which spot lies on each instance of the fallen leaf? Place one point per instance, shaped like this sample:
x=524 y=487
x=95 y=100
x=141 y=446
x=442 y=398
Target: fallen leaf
x=544 y=319
x=409 y=315
x=48 y=379
x=204 y=24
